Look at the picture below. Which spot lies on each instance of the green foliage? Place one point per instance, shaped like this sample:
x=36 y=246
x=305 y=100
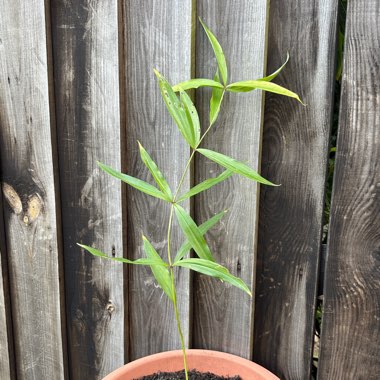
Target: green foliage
x=186 y=118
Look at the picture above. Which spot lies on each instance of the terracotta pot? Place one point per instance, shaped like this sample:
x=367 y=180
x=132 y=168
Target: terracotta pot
x=219 y=363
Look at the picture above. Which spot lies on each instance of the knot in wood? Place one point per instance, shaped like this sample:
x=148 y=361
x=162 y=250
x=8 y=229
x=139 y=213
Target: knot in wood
x=110 y=307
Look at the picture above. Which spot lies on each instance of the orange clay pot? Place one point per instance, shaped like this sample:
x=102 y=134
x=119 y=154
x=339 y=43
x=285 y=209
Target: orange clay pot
x=219 y=363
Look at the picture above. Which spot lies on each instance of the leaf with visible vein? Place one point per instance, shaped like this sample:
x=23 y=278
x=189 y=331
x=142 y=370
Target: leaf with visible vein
x=235 y=165
x=193 y=234
x=142 y=261
x=215 y=101
x=270 y=77
x=192 y=118
x=250 y=85
x=159 y=271
x=203 y=228
x=157 y=175
x=222 y=65
x=212 y=269
x=135 y=182
x=196 y=83
x=207 y=184
x=175 y=109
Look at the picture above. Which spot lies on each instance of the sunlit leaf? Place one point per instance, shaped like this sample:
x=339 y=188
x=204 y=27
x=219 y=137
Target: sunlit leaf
x=160 y=272
x=142 y=261
x=212 y=269
x=195 y=83
x=215 y=101
x=176 y=109
x=157 y=175
x=192 y=117
x=208 y=183
x=270 y=77
x=203 y=228
x=222 y=65
x=234 y=165
x=250 y=85
x=193 y=234
x=135 y=182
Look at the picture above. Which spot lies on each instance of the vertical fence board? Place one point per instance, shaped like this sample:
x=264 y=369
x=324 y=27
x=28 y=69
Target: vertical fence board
x=295 y=151
x=85 y=50
x=5 y=338
x=223 y=316
x=157 y=35
x=351 y=319
x=28 y=187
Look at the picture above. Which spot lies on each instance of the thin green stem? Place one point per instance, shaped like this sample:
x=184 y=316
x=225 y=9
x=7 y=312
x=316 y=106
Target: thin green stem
x=169 y=253
x=192 y=155
x=179 y=324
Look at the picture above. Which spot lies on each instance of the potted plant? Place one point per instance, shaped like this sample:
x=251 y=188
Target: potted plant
x=185 y=115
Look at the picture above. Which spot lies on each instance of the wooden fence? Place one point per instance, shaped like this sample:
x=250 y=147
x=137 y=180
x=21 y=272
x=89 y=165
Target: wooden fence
x=76 y=86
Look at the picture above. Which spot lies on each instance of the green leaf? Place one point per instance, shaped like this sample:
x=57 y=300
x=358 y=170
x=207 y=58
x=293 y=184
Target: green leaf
x=157 y=175
x=142 y=261
x=222 y=65
x=192 y=118
x=249 y=85
x=212 y=269
x=269 y=78
x=234 y=165
x=193 y=234
x=206 y=185
x=160 y=273
x=195 y=83
x=135 y=182
x=203 y=228
x=215 y=101
x=176 y=110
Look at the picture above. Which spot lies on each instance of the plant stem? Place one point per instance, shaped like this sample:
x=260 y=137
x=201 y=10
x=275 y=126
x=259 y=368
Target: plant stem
x=169 y=253
x=179 y=324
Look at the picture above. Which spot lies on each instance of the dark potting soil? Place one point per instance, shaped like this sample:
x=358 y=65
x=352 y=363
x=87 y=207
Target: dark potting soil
x=193 y=375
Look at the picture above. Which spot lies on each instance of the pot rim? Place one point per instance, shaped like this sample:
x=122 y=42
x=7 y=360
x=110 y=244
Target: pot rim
x=170 y=361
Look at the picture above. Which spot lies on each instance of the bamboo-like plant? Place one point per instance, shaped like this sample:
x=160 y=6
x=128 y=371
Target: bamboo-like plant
x=185 y=115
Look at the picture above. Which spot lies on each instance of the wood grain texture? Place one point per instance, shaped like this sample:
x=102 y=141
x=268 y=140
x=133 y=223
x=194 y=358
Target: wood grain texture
x=6 y=356
x=157 y=35
x=85 y=49
x=295 y=152
x=223 y=316
x=29 y=191
x=351 y=319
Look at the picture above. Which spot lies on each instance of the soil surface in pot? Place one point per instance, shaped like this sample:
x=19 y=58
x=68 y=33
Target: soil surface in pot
x=193 y=375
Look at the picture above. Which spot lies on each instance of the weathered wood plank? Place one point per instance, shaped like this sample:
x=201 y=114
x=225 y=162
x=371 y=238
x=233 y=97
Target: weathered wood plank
x=295 y=151
x=28 y=187
x=6 y=356
x=85 y=48
x=223 y=316
x=157 y=35
x=351 y=319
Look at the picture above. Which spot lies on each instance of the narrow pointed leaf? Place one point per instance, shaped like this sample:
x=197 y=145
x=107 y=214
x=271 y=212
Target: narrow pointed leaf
x=250 y=85
x=195 y=83
x=192 y=118
x=193 y=234
x=175 y=109
x=208 y=183
x=234 y=165
x=142 y=261
x=222 y=65
x=157 y=175
x=212 y=269
x=135 y=182
x=203 y=228
x=160 y=273
x=270 y=77
x=215 y=101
